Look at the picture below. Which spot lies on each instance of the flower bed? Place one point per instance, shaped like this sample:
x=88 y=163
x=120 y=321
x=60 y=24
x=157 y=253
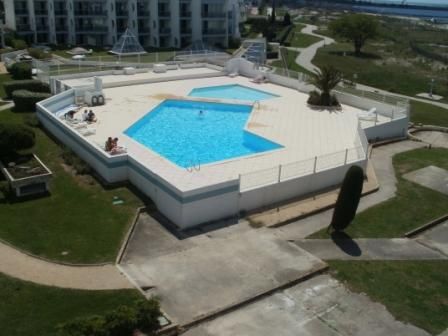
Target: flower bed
x=26 y=174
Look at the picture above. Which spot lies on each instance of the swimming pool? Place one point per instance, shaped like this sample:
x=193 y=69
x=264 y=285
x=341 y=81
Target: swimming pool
x=180 y=132
x=232 y=91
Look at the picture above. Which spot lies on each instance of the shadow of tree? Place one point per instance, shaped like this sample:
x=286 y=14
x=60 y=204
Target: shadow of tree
x=346 y=244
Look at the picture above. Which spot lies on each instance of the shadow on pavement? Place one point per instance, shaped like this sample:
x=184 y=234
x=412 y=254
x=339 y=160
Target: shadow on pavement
x=346 y=244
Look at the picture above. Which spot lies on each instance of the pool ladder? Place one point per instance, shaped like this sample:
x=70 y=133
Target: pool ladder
x=194 y=166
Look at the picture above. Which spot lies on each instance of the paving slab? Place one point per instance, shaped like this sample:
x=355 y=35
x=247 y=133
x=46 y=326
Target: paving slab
x=437 y=139
x=369 y=249
x=431 y=177
x=320 y=306
x=220 y=273
x=436 y=238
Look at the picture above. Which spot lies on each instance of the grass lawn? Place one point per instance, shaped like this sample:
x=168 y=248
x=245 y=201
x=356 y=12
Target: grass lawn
x=413 y=291
x=300 y=40
x=290 y=62
x=78 y=217
x=3 y=78
x=413 y=206
x=30 y=309
x=428 y=114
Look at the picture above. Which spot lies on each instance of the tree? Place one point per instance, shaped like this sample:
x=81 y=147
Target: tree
x=14 y=138
x=273 y=16
x=325 y=80
x=348 y=199
x=287 y=19
x=357 y=28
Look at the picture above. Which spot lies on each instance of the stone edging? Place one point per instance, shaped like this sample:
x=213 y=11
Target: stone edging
x=128 y=235
x=425 y=227
x=58 y=262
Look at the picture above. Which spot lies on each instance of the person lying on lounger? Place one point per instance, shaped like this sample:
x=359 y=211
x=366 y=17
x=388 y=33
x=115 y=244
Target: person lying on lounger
x=109 y=144
x=91 y=116
x=117 y=149
x=69 y=115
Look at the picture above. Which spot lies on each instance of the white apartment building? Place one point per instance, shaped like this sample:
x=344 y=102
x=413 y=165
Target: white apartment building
x=157 y=23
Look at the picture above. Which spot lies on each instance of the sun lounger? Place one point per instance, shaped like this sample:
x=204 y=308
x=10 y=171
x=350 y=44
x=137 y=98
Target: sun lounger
x=87 y=131
x=259 y=79
x=370 y=115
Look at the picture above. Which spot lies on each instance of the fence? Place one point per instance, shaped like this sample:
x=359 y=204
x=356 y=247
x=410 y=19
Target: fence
x=286 y=172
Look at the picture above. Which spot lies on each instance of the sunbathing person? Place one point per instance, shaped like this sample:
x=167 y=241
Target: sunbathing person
x=70 y=115
x=91 y=116
x=109 y=144
x=85 y=116
x=117 y=149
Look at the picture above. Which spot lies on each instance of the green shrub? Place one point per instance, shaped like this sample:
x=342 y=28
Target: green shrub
x=14 y=138
x=28 y=84
x=91 y=326
x=20 y=70
x=348 y=199
x=25 y=100
x=38 y=53
x=142 y=315
x=18 y=44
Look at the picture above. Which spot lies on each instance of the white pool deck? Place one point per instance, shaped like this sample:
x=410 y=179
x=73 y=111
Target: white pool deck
x=287 y=120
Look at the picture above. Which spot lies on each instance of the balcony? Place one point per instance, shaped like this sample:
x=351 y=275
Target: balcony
x=214 y=31
x=122 y=12
x=214 y=15
x=61 y=28
x=164 y=14
x=90 y=12
x=21 y=11
x=23 y=28
x=144 y=30
x=42 y=12
x=60 y=12
x=185 y=14
x=143 y=13
x=41 y=28
x=91 y=29
x=164 y=30
x=186 y=31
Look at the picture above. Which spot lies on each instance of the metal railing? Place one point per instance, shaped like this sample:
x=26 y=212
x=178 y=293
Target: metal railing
x=285 y=172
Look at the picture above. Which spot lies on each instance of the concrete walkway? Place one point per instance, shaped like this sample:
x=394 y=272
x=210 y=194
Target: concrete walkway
x=25 y=267
x=306 y=55
x=369 y=249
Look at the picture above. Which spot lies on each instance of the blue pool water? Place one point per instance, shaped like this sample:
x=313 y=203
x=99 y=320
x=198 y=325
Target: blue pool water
x=179 y=132
x=237 y=92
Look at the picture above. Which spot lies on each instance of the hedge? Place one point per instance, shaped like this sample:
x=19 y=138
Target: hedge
x=14 y=138
x=26 y=100
x=28 y=84
x=20 y=70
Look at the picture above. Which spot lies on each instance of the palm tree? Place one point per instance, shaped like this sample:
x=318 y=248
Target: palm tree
x=326 y=80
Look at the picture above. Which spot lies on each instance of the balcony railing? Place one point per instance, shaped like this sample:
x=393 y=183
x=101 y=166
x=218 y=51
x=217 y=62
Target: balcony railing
x=214 y=15
x=144 y=30
x=122 y=13
x=21 y=11
x=41 y=28
x=165 y=30
x=61 y=28
x=185 y=31
x=61 y=12
x=23 y=27
x=91 y=29
x=143 y=13
x=215 y=31
x=90 y=12
x=40 y=11
x=163 y=14
x=185 y=14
